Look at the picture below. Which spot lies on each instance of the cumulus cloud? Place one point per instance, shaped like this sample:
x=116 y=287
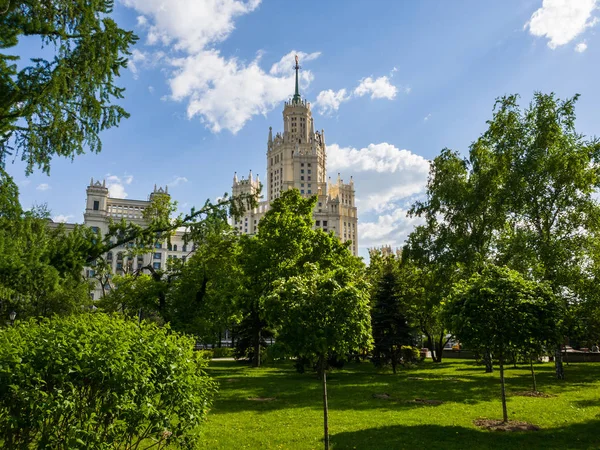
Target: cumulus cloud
x=226 y=92
x=43 y=187
x=561 y=21
x=329 y=101
x=376 y=88
x=116 y=185
x=223 y=92
x=177 y=181
x=62 y=218
x=387 y=181
x=389 y=229
x=427 y=117
x=581 y=47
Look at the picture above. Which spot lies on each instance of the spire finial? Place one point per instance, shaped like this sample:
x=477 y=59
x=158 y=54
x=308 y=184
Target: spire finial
x=297 y=97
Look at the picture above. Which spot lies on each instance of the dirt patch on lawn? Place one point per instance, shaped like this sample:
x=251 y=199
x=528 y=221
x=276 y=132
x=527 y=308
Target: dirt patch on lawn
x=232 y=380
x=511 y=425
x=423 y=401
x=383 y=396
x=532 y=394
x=262 y=399
x=415 y=378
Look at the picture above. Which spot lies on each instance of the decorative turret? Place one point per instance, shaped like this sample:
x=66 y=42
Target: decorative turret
x=270 y=136
x=235 y=178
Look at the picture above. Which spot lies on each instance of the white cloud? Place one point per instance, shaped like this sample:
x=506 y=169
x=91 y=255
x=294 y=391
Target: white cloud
x=378 y=88
x=226 y=93
x=24 y=183
x=190 y=25
x=287 y=62
x=581 y=47
x=387 y=181
x=427 y=117
x=177 y=181
x=151 y=89
x=329 y=101
x=136 y=57
x=43 y=187
x=62 y=218
x=561 y=21
x=116 y=185
x=389 y=229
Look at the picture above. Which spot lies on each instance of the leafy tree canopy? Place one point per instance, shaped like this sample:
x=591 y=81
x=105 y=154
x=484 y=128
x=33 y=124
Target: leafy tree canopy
x=58 y=105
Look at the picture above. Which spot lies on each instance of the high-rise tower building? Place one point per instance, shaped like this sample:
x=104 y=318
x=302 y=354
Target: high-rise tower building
x=297 y=159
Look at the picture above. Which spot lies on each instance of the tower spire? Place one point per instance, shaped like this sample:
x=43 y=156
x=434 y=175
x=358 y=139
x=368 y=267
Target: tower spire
x=297 y=97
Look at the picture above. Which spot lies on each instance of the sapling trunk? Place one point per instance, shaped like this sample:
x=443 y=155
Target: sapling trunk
x=558 y=363
x=487 y=359
x=504 y=411
x=256 y=360
x=325 y=407
x=533 y=374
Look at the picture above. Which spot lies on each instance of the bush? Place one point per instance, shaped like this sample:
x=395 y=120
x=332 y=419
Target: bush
x=410 y=354
x=96 y=381
x=222 y=352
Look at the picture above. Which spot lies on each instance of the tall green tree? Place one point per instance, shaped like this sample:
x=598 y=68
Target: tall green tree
x=57 y=106
x=284 y=244
x=320 y=312
x=388 y=318
x=499 y=310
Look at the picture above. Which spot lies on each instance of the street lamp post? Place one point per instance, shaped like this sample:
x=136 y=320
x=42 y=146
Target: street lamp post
x=12 y=317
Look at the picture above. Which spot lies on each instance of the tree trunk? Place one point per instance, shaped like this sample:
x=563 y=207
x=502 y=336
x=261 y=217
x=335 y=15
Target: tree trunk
x=394 y=362
x=325 y=407
x=533 y=374
x=220 y=338
x=256 y=359
x=488 y=360
x=504 y=412
x=558 y=363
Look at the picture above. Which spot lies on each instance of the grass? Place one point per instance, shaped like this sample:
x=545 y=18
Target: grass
x=294 y=420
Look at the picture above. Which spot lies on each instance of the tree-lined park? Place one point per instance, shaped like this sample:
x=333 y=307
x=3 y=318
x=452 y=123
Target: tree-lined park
x=322 y=348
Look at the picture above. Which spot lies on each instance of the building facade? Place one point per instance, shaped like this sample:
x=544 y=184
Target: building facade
x=101 y=209
x=297 y=159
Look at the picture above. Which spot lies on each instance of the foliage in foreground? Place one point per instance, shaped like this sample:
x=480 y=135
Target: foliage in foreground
x=98 y=381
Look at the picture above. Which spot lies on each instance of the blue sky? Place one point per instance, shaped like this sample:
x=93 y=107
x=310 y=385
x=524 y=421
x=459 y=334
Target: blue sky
x=390 y=82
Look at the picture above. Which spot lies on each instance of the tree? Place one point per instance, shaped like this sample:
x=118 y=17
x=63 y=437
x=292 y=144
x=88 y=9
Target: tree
x=500 y=311
x=319 y=313
x=284 y=244
x=390 y=328
x=40 y=268
x=96 y=381
x=59 y=106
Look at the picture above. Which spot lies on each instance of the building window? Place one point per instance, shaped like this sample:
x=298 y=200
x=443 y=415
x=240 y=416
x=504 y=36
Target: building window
x=301 y=164
x=170 y=247
x=318 y=223
x=325 y=230
x=120 y=256
x=302 y=177
x=158 y=245
x=309 y=178
x=324 y=223
x=302 y=191
x=96 y=205
x=309 y=191
x=183 y=258
x=184 y=249
x=119 y=266
x=109 y=256
x=301 y=170
x=175 y=248
x=301 y=184
x=140 y=258
x=156 y=265
x=308 y=164
x=308 y=170
x=157 y=256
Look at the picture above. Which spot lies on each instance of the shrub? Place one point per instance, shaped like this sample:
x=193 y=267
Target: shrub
x=96 y=381
x=222 y=352
x=410 y=354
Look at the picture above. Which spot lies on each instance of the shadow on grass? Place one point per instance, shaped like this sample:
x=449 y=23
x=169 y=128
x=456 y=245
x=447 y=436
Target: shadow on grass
x=577 y=436
x=353 y=387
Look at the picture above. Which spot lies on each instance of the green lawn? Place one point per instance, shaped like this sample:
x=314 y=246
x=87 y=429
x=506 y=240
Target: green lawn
x=294 y=420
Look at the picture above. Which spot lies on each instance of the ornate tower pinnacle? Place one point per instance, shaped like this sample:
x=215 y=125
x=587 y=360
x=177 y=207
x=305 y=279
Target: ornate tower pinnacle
x=297 y=98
